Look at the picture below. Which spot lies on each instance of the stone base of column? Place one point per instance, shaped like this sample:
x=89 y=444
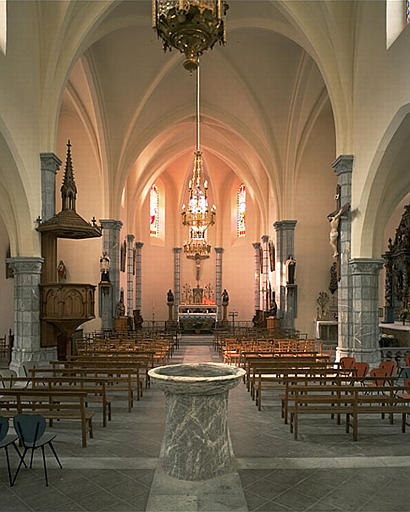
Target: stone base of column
x=361 y=355
x=24 y=357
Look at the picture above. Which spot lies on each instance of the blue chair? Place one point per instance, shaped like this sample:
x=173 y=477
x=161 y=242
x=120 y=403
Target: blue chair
x=6 y=441
x=30 y=429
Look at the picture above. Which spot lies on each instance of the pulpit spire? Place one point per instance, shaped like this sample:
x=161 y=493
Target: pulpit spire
x=68 y=188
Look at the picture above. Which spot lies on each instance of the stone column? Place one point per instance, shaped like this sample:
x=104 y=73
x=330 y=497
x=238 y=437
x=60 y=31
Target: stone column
x=257 y=293
x=50 y=164
x=130 y=279
x=218 y=281
x=265 y=268
x=138 y=275
x=343 y=168
x=27 y=273
x=111 y=244
x=177 y=280
x=285 y=235
x=365 y=304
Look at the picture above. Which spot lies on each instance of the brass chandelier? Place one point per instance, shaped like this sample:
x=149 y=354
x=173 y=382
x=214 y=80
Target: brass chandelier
x=197 y=216
x=191 y=26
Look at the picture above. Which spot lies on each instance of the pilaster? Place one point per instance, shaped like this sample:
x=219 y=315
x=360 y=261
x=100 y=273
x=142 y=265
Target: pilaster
x=218 y=281
x=50 y=164
x=27 y=346
x=265 y=270
x=285 y=236
x=177 y=280
x=257 y=292
x=343 y=167
x=138 y=275
x=130 y=279
x=365 y=304
x=111 y=244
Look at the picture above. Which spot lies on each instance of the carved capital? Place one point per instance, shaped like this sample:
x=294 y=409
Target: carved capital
x=139 y=245
x=219 y=250
x=130 y=239
x=265 y=239
x=256 y=246
x=343 y=164
x=26 y=265
x=177 y=250
x=49 y=162
x=283 y=225
x=365 y=266
x=111 y=224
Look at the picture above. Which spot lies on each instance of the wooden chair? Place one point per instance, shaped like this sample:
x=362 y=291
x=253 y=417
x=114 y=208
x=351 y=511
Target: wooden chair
x=347 y=362
x=389 y=366
x=362 y=369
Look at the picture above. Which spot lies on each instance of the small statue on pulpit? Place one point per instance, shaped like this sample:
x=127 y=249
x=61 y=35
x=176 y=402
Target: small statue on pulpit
x=225 y=297
x=61 y=272
x=105 y=267
x=170 y=297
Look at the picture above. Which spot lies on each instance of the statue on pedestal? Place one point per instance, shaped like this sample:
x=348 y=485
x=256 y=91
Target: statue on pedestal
x=138 y=320
x=273 y=307
x=120 y=308
x=225 y=302
x=170 y=297
x=170 y=303
x=290 y=270
x=105 y=267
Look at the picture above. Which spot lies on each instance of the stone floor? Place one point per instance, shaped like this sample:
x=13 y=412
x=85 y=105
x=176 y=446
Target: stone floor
x=323 y=471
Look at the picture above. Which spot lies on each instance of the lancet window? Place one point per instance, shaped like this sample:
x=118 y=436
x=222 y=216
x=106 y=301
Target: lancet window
x=241 y=211
x=154 y=211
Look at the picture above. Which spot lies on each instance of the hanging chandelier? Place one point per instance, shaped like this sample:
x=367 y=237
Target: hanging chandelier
x=190 y=26
x=197 y=215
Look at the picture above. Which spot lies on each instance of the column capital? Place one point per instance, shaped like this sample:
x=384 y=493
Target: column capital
x=111 y=224
x=219 y=250
x=49 y=162
x=343 y=164
x=256 y=245
x=26 y=265
x=177 y=250
x=265 y=238
x=130 y=239
x=365 y=266
x=282 y=225
x=139 y=245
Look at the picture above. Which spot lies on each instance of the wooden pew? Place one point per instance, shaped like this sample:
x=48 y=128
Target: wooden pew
x=279 y=378
x=53 y=405
x=349 y=400
x=116 y=379
x=94 y=387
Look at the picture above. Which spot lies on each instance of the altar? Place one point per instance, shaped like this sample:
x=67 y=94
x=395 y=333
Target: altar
x=197 y=317
x=399 y=331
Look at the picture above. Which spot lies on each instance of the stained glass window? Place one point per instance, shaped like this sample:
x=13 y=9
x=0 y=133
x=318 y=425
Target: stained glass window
x=408 y=12
x=154 y=211
x=241 y=211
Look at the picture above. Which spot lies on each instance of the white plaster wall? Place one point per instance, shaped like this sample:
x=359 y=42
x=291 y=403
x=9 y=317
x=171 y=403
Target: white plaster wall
x=314 y=201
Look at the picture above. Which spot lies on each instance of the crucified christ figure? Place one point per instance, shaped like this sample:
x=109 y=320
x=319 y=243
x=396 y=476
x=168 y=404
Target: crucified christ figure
x=334 y=219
